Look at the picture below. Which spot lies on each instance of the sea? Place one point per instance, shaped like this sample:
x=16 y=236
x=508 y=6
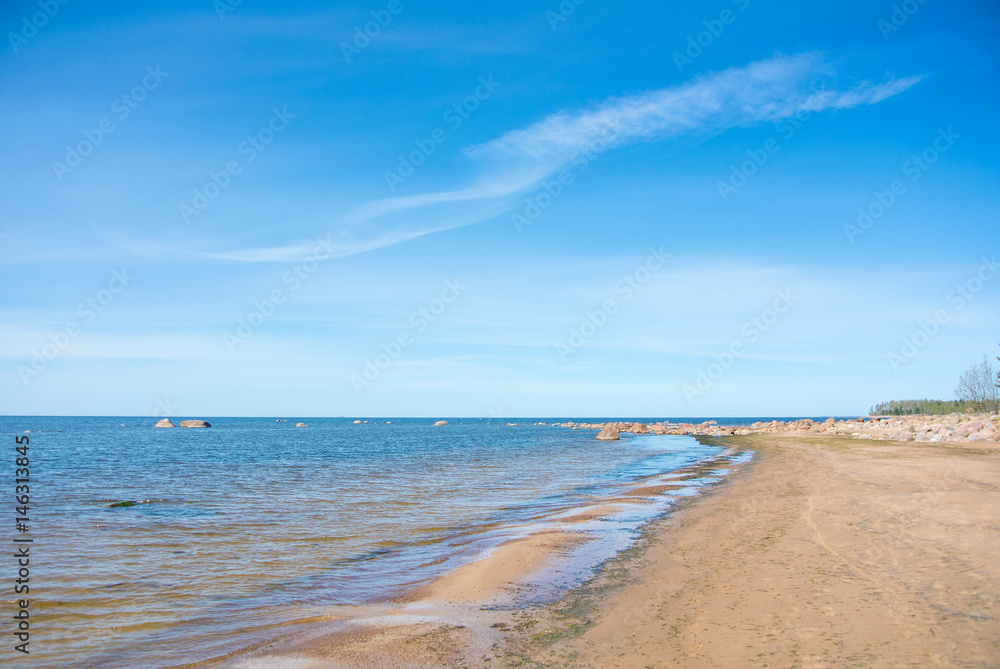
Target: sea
x=159 y=547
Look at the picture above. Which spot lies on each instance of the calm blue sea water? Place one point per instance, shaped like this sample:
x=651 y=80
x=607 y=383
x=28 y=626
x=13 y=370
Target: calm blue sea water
x=254 y=523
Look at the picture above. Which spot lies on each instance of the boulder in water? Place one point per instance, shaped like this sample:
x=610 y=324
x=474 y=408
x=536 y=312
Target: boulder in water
x=609 y=433
x=440 y=423
x=165 y=423
x=195 y=423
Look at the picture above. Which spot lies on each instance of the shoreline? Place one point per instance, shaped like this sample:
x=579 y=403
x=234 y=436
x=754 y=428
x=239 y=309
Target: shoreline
x=482 y=599
x=822 y=550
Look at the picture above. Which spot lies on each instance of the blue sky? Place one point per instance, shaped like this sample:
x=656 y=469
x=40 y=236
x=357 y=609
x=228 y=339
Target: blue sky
x=519 y=209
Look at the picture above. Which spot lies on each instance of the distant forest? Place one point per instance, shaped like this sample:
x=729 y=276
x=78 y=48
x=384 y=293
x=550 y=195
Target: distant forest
x=910 y=407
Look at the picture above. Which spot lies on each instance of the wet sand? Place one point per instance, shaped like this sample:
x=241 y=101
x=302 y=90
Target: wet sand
x=458 y=619
x=820 y=552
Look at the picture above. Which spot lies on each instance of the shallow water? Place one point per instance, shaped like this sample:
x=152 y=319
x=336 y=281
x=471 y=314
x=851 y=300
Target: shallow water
x=254 y=523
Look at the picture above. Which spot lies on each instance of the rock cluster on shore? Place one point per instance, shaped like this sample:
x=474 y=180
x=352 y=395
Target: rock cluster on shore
x=951 y=428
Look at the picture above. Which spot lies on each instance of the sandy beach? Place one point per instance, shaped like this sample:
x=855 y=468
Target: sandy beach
x=823 y=552
x=820 y=552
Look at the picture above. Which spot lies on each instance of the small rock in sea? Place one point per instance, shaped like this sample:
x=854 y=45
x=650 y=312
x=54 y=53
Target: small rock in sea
x=357 y=422
x=116 y=505
x=165 y=423
x=301 y=425
x=441 y=422
x=195 y=423
x=609 y=433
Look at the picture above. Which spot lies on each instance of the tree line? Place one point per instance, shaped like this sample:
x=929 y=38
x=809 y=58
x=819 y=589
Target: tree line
x=978 y=389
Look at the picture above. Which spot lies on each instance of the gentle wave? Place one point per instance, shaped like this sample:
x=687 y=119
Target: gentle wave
x=250 y=524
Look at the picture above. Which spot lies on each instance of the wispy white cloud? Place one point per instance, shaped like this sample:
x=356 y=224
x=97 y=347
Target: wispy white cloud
x=764 y=91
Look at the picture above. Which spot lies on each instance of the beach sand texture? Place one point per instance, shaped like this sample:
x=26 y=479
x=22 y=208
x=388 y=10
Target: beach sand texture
x=821 y=552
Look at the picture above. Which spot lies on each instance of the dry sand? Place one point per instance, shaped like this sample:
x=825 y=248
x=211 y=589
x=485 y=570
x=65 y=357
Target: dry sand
x=822 y=552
